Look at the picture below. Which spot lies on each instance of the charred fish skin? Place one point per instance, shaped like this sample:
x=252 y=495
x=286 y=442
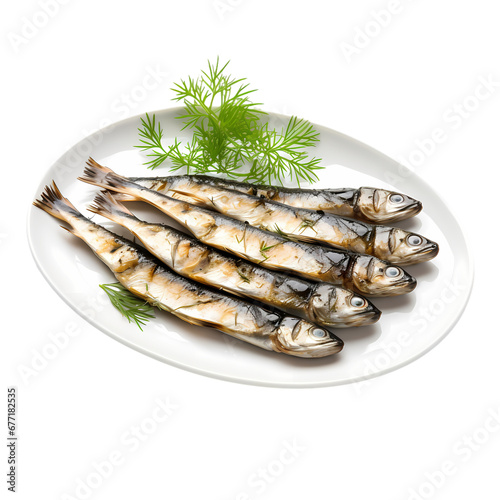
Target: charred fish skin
x=388 y=243
x=146 y=277
x=261 y=247
x=369 y=204
x=324 y=304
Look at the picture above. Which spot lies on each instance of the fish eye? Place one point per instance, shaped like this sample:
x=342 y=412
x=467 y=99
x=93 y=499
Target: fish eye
x=392 y=272
x=414 y=240
x=357 y=302
x=396 y=198
x=318 y=333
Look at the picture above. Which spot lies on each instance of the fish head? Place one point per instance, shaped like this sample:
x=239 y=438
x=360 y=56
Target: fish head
x=301 y=338
x=382 y=206
x=410 y=248
x=373 y=276
x=338 y=307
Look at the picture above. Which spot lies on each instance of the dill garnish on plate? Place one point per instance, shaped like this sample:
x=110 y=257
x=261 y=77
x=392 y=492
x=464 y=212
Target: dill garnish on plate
x=131 y=307
x=230 y=135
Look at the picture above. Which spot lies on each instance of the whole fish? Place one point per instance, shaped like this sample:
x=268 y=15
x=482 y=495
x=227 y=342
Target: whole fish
x=361 y=273
x=321 y=303
x=388 y=243
x=145 y=276
x=366 y=203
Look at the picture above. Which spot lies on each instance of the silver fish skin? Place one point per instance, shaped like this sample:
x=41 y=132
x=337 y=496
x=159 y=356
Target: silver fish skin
x=147 y=278
x=322 y=303
x=361 y=273
x=388 y=243
x=380 y=206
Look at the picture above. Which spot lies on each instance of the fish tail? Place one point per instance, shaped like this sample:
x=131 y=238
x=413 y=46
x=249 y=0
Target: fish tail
x=55 y=204
x=108 y=206
x=98 y=238
x=104 y=177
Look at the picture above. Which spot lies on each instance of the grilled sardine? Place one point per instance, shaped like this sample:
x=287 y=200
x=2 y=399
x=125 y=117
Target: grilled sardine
x=369 y=204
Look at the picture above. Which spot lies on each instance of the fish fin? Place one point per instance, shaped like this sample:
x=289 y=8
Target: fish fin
x=95 y=174
x=105 y=204
x=55 y=204
x=91 y=161
x=104 y=177
x=69 y=229
x=124 y=197
x=199 y=200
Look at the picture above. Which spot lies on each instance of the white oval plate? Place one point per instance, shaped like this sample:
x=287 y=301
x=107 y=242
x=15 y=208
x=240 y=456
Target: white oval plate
x=410 y=325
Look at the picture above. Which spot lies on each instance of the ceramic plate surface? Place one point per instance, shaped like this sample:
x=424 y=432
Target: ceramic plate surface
x=409 y=327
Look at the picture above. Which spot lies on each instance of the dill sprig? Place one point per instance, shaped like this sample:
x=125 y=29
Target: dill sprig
x=265 y=248
x=229 y=133
x=244 y=278
x=133 y=308
x=282 y=233
x=307 y=223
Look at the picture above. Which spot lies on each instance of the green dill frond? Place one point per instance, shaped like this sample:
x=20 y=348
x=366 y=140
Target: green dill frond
x=130 y=306
x=229 y=132
x=264 y=249
x=243 y=238
x=307 y=223
x=244 y=278
x=277 y=155
x=281 y=233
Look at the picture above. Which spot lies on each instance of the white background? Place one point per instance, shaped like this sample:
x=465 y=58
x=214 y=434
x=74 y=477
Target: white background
x=381 y=441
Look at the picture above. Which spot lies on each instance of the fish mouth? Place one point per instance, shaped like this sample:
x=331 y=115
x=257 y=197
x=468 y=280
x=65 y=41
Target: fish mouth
x=363 y=318
x=401 y=287
x=410 y=210
x=331 y=346
x=430 y=250
x=404 y=286
x=372 y=315
x=409 y=284
x=404 y=212
x=334 y=346
x=424 y=254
